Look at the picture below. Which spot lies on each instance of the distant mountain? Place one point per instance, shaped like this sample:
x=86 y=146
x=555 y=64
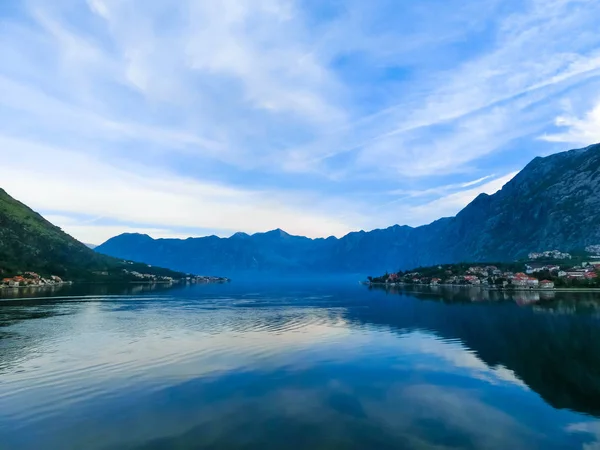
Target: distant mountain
x=553 y=203
x=28 y=242
x=92 y=246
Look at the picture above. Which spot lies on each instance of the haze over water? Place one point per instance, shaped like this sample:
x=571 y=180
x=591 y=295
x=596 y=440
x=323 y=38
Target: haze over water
x=259 y=366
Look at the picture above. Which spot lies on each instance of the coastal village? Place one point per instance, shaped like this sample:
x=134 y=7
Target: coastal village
x=193 y=279
x=544 y=270
x=32 y=279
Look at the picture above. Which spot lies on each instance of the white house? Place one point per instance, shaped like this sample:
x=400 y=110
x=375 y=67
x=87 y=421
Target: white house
x=546 y=284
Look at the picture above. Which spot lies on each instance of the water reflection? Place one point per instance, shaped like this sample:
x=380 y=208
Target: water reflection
x=454 y=294
x=271 y=367
x=557 y=356
x=83 y=289
x=586 y=302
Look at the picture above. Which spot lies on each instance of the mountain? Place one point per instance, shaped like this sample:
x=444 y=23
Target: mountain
x=553 y=203
x=28 y=242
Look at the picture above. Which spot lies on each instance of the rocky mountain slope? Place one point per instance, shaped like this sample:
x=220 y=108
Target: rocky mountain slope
x=554 y=202
x=28 y=242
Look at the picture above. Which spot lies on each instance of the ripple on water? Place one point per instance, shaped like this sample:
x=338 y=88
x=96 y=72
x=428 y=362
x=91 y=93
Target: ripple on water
x=131 y=341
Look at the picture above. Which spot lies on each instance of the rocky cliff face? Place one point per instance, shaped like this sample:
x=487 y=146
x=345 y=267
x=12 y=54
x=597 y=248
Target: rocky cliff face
x=553 y=203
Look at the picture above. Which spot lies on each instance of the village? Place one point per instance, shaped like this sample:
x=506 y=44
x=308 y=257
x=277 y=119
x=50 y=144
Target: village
x=193 y=279
x=31 y=279
x=561 y=273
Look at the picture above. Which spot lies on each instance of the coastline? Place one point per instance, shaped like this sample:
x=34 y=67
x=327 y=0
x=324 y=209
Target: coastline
x=484 y=288
x=36 y=286
x=69 y=283
x=48 y=287
x=84 y=289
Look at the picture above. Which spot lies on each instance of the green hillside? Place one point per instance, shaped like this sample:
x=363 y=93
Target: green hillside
x=28 y=242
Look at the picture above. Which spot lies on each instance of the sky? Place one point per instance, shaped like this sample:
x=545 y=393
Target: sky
x=201 y=117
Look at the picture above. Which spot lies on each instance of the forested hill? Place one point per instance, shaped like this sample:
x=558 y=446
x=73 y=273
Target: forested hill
x=28 y=242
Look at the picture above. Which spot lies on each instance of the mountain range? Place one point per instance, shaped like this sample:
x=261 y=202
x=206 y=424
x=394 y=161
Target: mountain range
x=553 y=203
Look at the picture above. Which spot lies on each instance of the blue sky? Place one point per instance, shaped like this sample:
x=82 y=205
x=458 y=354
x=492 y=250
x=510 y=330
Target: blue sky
x=200 y=117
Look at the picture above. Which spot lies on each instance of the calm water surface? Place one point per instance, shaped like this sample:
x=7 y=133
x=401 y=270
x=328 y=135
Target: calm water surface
x=245 y=366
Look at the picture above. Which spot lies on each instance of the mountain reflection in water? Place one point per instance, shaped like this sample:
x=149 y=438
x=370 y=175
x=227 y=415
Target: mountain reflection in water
x=298 y=366
x=556 y=355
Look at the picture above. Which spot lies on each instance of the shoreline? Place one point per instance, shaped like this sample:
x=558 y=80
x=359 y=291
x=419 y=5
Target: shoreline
x=114 y=282
x=483 y=288
x=8 y=289
x=36 y=286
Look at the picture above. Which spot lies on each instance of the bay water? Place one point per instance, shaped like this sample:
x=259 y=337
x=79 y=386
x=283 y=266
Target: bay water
x=298 y=365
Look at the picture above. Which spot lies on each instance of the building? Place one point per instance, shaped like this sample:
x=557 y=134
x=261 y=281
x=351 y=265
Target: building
x=472 y=279
x=554 y=254
x=593 y=249
x=392 y=278
x=522 y=280
x=547 y=284
x=535 y=268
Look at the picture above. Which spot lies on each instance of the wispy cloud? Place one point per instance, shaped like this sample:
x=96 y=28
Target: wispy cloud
x=438 y=190
x=579 y=130
x=309 y=115
x=451 y=204
x=76 y=184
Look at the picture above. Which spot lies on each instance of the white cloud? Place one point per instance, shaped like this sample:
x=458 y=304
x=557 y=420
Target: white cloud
x=475 y=182
x=270 y=114
x=263 y=59
x=151 y=199
x=486 y=101
x=57 y=117
x=459 y=357
x=239 y=79
x=92 y=233
x=579 y=130
x=592 y=428
x=436 y=191
x=141 y=200
x=447 y=201
x=453 y=203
